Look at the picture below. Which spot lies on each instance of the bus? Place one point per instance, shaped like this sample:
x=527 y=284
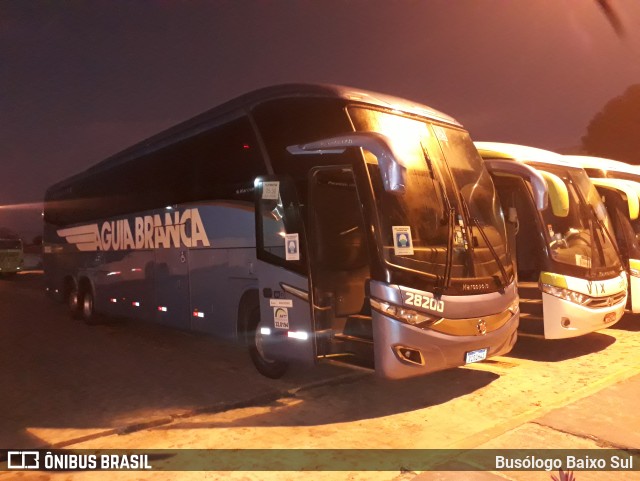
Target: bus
x=314 y=222
x=619 y=185
x=570 y=277
x=11 y=256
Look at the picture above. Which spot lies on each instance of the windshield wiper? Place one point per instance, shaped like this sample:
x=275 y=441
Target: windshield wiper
x=449 y=213
x=603 y=227
x=474 y=221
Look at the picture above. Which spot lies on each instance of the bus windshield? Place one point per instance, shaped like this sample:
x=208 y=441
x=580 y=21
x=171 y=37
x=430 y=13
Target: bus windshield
x=449 y=206
x=579 y=238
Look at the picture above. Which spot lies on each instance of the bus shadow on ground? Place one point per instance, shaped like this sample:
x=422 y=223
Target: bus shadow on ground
x=554 y=350
x=358 y=400
x=629 y=322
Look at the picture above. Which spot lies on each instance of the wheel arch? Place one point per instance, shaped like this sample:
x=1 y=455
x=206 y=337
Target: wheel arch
x=248 y=302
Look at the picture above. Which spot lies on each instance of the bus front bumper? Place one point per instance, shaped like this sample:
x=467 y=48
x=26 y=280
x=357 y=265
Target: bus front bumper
x=564 y=319
x=404 y=351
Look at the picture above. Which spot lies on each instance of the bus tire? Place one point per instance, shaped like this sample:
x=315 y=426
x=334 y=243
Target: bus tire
x=87 y=306
x=267 y=367
x=73 y=301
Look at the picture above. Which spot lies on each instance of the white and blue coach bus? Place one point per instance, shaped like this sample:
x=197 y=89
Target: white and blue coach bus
x=314 y=222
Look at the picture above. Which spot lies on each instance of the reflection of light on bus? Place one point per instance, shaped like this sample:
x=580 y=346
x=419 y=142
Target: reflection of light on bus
x=291 y=247
x=570 y=276
x=619 y=185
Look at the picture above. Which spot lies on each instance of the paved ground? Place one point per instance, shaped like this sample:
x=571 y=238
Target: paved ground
x=129 y=385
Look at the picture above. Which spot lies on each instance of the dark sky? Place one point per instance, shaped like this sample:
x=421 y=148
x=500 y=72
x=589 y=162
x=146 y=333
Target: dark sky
x=80 y=81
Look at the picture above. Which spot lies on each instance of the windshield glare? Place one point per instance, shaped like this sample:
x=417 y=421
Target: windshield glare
x=578 y=238
x=441 y=163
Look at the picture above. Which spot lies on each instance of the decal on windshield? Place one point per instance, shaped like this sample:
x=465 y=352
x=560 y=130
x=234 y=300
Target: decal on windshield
x=292 y=246
x=271 y=190
x=402 y=243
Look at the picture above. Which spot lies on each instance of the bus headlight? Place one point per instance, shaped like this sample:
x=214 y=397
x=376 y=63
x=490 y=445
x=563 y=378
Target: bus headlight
x=566 y=294
x=402 y=314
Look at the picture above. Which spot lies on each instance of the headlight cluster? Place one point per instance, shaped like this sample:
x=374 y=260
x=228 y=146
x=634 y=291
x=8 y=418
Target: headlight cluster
x=566 y=294
x=408 y=316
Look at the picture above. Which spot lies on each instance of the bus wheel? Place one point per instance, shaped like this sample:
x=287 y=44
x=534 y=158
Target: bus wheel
x=87 y=308
x=266 y=367
x=73 y=302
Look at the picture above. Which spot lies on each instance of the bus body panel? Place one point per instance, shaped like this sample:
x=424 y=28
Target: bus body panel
x=440 y=350
x=288 y=317
x=583 y=320
x=634 y=293
x=189 y=287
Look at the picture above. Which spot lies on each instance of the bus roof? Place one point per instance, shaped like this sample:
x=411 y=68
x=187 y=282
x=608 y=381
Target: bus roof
x=244 y=103
x=588 y=162
x=520 y=153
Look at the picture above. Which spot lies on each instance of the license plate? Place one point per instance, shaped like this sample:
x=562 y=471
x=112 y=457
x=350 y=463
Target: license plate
x=477 y=355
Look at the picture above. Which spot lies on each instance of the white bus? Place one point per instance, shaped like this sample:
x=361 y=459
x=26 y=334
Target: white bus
x=570 y=277
x=619 y=185
x=315 y=222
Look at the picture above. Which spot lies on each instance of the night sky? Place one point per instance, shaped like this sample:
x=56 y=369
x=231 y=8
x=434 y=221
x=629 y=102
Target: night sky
x=80 y=81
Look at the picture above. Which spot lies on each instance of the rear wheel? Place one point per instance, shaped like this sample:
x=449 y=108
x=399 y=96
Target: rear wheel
x=265 y=366
x=73 y=302
x=87 y=307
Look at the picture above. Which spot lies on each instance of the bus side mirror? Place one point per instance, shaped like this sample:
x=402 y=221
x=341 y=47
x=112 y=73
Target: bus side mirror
x=518 y=169
x=392 y=169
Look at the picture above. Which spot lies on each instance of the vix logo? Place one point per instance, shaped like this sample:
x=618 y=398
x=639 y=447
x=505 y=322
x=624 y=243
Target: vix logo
x=23 y=460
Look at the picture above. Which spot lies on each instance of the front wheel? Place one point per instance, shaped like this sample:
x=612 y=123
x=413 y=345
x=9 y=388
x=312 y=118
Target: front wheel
x=265 y=366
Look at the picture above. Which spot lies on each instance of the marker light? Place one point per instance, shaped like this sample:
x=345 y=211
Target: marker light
x=265 y=331
x=303 y=336
x=198 y=314
x=113 y=299
x=135 y=303
x=162 y=308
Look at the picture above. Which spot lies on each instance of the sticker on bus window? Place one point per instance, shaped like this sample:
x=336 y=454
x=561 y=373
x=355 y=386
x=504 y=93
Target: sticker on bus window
x=292 y=247
x=441 y=134
x=271 y=190
x=281 y=318
x=402 y=243
x=583 y=261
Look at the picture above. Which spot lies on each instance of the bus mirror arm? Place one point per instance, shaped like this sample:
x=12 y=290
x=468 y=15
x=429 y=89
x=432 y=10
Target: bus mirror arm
x=538 y=183
x=391 y=168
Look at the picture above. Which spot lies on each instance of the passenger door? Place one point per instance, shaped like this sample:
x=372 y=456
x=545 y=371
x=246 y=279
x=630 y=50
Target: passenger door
x=282 y=270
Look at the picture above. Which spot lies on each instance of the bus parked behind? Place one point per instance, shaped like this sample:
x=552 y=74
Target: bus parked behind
x=570 y=277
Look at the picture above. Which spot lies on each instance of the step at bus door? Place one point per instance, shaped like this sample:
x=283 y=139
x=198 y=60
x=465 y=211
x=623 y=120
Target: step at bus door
x=285 y=316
